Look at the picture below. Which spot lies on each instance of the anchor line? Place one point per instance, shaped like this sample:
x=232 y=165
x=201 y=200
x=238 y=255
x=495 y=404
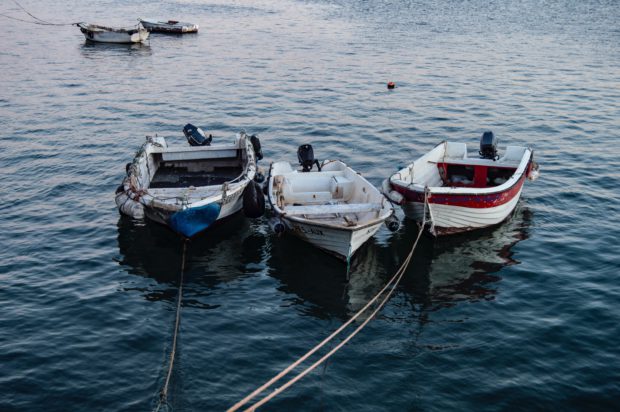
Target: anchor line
x=391 y=285
x=39 y=21
x=163 y=393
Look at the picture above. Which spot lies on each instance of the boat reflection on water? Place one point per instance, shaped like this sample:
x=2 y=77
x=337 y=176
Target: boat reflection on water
x=227 y=252
x=443 y=271
x=465 y=267
x=91 y=49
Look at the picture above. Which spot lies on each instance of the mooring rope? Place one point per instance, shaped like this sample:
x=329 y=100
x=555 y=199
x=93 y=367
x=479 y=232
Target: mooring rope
x=393 y=282
x=163 y=393
x=39 y=21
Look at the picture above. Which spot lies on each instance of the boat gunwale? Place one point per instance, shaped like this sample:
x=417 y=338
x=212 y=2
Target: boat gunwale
x=236 y=185
x=514 y=179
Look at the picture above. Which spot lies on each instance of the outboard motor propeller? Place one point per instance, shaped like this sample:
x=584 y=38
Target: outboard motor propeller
x=195 y=136
x=305 y=155
x=488 y=146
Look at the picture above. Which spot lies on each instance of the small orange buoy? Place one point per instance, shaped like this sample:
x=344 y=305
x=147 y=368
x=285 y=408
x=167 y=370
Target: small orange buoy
x=391 y=85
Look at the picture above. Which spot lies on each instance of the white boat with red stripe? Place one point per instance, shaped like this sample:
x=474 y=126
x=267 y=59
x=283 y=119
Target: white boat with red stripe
x=462 y=193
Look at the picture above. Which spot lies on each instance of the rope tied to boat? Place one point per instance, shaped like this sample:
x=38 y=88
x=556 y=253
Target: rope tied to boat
x=163 y=393
x=391 y=285
x=38 y=21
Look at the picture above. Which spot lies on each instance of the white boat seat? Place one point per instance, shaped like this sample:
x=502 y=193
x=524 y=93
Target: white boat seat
x=307 y=197
x=341 y=187
x=332 y=209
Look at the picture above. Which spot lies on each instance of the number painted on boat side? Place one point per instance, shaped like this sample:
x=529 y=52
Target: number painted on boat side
x=308 y=230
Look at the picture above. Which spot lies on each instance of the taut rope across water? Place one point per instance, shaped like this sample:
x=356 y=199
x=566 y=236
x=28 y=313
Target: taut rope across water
x=391 y=284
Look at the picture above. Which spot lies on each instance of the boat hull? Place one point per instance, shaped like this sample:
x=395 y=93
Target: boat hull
x=334 y=208
x=341 y=243
x=192 y=221
x=169 y=27
x=189 y=196
x=118 y=36
x=455 y=213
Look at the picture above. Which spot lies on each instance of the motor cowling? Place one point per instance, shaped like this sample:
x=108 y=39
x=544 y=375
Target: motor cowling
x=488 y=146
x=305 y=155
x=196 y=136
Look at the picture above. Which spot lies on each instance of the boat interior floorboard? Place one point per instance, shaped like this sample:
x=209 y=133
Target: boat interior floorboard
x=175 y=177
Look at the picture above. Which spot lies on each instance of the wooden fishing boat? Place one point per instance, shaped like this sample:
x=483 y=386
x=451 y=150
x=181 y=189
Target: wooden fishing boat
x=333 y=207
x=168 y=26
x=462 y=193
x=103 y=34
x=189 y=188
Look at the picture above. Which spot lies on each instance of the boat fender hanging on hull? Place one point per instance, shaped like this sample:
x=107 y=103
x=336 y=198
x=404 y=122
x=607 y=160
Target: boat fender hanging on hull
x=277 y=225
x=257 y=147
x=392 y=195
x=392 y=223
x=127 y=205
x=253 y=200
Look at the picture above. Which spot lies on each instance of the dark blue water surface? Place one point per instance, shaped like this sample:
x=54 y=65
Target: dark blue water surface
x=522 y=317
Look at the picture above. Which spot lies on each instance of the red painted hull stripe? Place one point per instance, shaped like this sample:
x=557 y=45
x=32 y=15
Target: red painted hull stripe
x=475 y=201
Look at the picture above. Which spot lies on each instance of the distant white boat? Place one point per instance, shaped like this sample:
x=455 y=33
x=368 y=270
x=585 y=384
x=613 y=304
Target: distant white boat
x=104 y=34
x=333 y=208
x=189 y=188
x=168 y=26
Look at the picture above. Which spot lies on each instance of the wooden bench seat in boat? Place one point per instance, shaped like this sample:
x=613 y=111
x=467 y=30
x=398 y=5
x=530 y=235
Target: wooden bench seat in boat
x=191 y=153
x=332 y=209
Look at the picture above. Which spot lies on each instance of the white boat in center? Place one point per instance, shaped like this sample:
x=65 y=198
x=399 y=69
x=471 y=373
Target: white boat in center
x=334 y=208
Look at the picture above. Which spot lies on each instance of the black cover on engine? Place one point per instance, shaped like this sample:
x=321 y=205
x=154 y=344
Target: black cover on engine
x=305 y=155
x=195 y=136
x=488 y=146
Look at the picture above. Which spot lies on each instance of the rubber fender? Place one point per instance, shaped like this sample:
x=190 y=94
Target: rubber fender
x=253 y=200
x=277 y=226
x=386 y=187
x=129 y=207
x=392 y=223
x=259 y=177
x=257 y=148
x=396 y=197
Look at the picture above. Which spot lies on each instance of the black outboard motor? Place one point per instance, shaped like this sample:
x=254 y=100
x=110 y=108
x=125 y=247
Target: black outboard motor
x=488 y=146
x=305 y=154
x=195 y=136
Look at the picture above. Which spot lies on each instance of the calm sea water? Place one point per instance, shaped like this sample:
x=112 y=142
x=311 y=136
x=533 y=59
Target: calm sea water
x=522 y=317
